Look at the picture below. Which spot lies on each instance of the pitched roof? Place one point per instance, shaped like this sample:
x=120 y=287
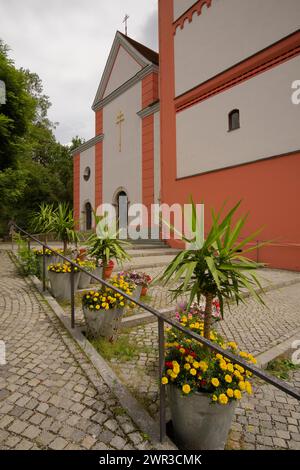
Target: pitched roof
x=149 y=54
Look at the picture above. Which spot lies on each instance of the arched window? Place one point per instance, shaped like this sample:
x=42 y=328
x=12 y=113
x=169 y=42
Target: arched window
x=234 y=120
x=88 y=216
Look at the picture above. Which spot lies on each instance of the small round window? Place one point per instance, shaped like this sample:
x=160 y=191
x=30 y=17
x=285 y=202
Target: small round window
x=87 y=173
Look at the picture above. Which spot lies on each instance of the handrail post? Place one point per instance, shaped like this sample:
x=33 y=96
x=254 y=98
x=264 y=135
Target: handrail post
x=162 y=388
x=44 y=269
x=72 y=298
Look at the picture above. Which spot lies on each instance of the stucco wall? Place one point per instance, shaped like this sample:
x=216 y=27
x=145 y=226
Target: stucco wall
x=180 y=7
x=123 y=169
x=269 y=123
x=87 y=188
x=125 y=67
x=227 y=33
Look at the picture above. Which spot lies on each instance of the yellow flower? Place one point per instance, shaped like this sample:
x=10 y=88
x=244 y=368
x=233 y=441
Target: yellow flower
x=230 y=368
x=237 y=374
x=232 y=345
x=196 y=365
x=164 y=380
x=203 y=366
x=215 y=382
x=219 y=356
x=189 y=359
x=230 y=392
x=98 y=307
x=214 y=398
x=242 y=385
x=193 y=372
x=223 y=399
x=228 y=378
x=186 y=389
x=182 y=350
x=223 y=365
x=169 y=372
x=173 y=375
x=237 y=394
x=248 y=387
x=187 y=366
x=122 y=304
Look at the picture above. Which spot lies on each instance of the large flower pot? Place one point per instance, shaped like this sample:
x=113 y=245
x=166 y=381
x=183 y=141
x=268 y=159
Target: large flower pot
x=99 y=273
x=61 y=285
x=103 y=323
x=107 y=270
x=136 y=294
x=84 y=281
x=199 y=424
x=144 y=291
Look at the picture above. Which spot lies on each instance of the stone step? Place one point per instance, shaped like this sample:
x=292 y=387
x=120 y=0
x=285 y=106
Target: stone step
x=138 y=253
x=146 y=262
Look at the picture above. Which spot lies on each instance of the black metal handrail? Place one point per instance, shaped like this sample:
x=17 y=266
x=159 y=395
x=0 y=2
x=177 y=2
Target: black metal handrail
x=162 y=319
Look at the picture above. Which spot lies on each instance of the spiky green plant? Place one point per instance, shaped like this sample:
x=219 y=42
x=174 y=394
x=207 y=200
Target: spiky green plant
x=105 y=245
x=216 y=266
x=63 y=225
x=42 y=219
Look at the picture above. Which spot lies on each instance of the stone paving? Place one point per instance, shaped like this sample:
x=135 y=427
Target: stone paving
x=50 y=395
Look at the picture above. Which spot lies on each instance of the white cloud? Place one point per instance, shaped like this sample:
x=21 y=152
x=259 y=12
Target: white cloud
x=67 y=42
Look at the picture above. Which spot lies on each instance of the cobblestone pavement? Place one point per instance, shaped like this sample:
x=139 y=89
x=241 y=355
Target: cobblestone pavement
x=50 y=395
x=268 y=419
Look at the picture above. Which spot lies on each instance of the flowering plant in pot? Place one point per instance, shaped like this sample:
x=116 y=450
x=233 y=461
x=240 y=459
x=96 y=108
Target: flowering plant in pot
x=103 y=310
x=90 y=266
x=198 y=310
x=206 y=379
x=60 y=280
x=51 y=258
x=104 y=246
x=141 y=280
x=211 y=267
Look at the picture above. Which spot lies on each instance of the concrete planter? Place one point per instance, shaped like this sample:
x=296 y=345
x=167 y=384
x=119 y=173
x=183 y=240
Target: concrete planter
x=99 y=273
x=136 y=294
x=197 y=423
x=84 y=281
x=61 y=285
x=103 y=323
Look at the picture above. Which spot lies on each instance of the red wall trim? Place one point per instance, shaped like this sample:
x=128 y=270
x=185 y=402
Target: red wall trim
x=148 y=161
x=188 y=15
x=272 y=56
x=99 y=161
x=76 y=189
x=149 y=89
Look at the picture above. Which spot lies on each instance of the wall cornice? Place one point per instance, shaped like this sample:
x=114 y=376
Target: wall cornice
x=188 y=15
x=87 y=145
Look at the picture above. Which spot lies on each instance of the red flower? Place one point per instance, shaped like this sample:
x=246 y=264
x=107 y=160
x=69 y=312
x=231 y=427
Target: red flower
x=203 y=383
x=169 y=365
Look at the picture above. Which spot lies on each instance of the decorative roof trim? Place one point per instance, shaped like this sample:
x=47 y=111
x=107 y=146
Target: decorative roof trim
x=188 y=15
x=152 y=109
x=126 y=86
x=120 y=40
x=87 y=145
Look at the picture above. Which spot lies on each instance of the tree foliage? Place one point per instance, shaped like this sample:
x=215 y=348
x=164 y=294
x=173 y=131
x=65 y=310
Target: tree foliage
x=34 y=167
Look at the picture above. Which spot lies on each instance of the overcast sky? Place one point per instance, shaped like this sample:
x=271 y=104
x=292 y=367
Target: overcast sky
x=67 y=42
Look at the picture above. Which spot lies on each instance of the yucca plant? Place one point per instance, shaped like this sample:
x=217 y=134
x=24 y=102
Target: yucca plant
x=104 y=245
x=216 y=266
x=41 y=220
x=63 y=224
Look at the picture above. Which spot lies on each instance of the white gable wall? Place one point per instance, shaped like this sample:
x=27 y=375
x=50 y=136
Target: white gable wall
x=123 y=169
x=125 y=67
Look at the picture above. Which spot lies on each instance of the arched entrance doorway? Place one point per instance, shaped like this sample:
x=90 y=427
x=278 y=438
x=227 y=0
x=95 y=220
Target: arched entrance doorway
x=122 y=213
x=88 y=216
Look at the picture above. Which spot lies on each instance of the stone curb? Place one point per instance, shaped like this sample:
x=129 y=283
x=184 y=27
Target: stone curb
x=137 y=413
x=280 y=349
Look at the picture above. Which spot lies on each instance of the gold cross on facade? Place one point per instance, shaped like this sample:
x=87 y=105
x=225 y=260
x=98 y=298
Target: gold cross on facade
x=120 y=119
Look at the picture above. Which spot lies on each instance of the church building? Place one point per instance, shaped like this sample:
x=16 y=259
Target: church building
x=213 y=116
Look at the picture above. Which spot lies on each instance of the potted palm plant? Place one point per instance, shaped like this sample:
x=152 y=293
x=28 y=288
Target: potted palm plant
x=62 y=224
x=103 y=309
x=41 y=220
x=104 y=246
x=204 y=386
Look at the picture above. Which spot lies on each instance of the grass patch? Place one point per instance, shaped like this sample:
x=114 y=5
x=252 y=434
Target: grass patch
x=122 y=349
x=281 y=368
